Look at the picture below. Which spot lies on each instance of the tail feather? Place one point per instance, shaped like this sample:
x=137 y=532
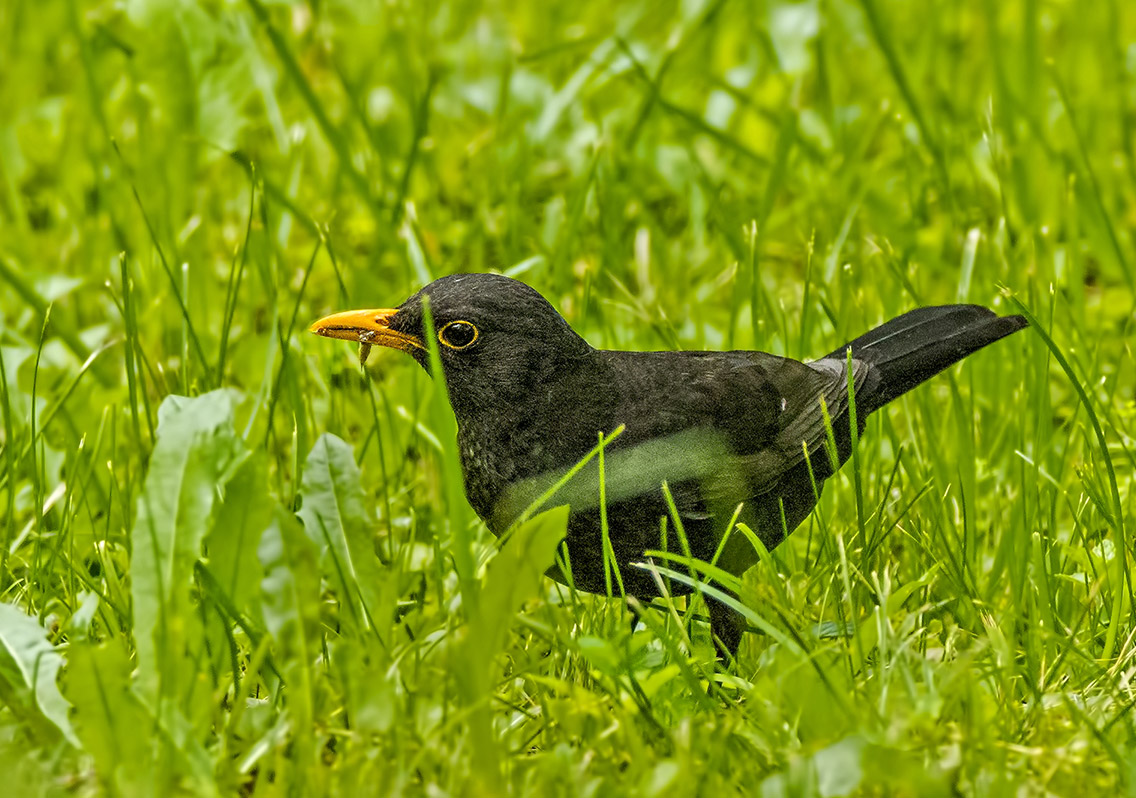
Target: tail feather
x=916 y=346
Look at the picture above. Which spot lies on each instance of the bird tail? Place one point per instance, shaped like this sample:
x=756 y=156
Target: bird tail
x=916 y=346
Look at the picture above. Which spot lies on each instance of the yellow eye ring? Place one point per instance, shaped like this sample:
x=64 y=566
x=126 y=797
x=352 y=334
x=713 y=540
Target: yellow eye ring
x=458 y=334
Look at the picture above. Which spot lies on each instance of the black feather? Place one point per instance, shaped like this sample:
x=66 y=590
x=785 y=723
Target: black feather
x=912 y=348
x=735 y=436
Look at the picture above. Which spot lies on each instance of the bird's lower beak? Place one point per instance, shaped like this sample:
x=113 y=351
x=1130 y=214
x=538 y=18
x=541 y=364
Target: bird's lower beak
x=369 y=328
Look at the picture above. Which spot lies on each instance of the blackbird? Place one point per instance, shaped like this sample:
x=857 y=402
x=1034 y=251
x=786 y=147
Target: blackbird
x=738 y=437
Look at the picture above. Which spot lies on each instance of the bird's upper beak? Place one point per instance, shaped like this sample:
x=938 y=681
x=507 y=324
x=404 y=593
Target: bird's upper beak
x=368 y=327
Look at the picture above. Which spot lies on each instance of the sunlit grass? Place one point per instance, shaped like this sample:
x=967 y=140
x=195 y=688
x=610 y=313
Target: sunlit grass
x=275 y=587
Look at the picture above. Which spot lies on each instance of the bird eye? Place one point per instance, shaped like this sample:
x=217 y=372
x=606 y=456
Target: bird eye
x=458 y=334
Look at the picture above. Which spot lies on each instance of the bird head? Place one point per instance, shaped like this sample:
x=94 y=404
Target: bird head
x=498 y=339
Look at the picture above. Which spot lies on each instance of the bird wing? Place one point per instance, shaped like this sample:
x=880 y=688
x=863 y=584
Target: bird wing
x=735 y=421
x=719 y=428
x=800 y=394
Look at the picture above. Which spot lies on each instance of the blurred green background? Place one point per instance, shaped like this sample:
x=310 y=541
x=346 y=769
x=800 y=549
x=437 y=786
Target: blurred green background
x=185 y=186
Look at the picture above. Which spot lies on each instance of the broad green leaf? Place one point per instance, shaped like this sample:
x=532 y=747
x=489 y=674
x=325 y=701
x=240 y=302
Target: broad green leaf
x=196 y=448
x=600 y=654
x=229 y=579
x=134 y=751
x=79 y=624
x=245 y=512
x=368 y=686
x=111 y=721
x=337 y=519
x=18 y=400
x=29 y=664
x=291 y=599
x=290 y=588
x=513 y=577
x=793 y=27
x=53 y=287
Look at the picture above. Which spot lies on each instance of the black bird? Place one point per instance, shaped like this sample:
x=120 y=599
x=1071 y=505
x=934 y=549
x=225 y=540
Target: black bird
x=723 y=429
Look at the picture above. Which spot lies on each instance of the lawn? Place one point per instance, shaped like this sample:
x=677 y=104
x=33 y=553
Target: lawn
x=236 y=563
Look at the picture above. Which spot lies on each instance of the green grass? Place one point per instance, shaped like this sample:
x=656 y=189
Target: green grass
x=275 y=587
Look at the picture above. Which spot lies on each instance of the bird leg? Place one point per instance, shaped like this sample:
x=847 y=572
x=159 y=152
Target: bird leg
x=635 y=609
x=726 y=628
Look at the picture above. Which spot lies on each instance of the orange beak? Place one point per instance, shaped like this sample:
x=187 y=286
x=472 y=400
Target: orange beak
x=367 y=327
